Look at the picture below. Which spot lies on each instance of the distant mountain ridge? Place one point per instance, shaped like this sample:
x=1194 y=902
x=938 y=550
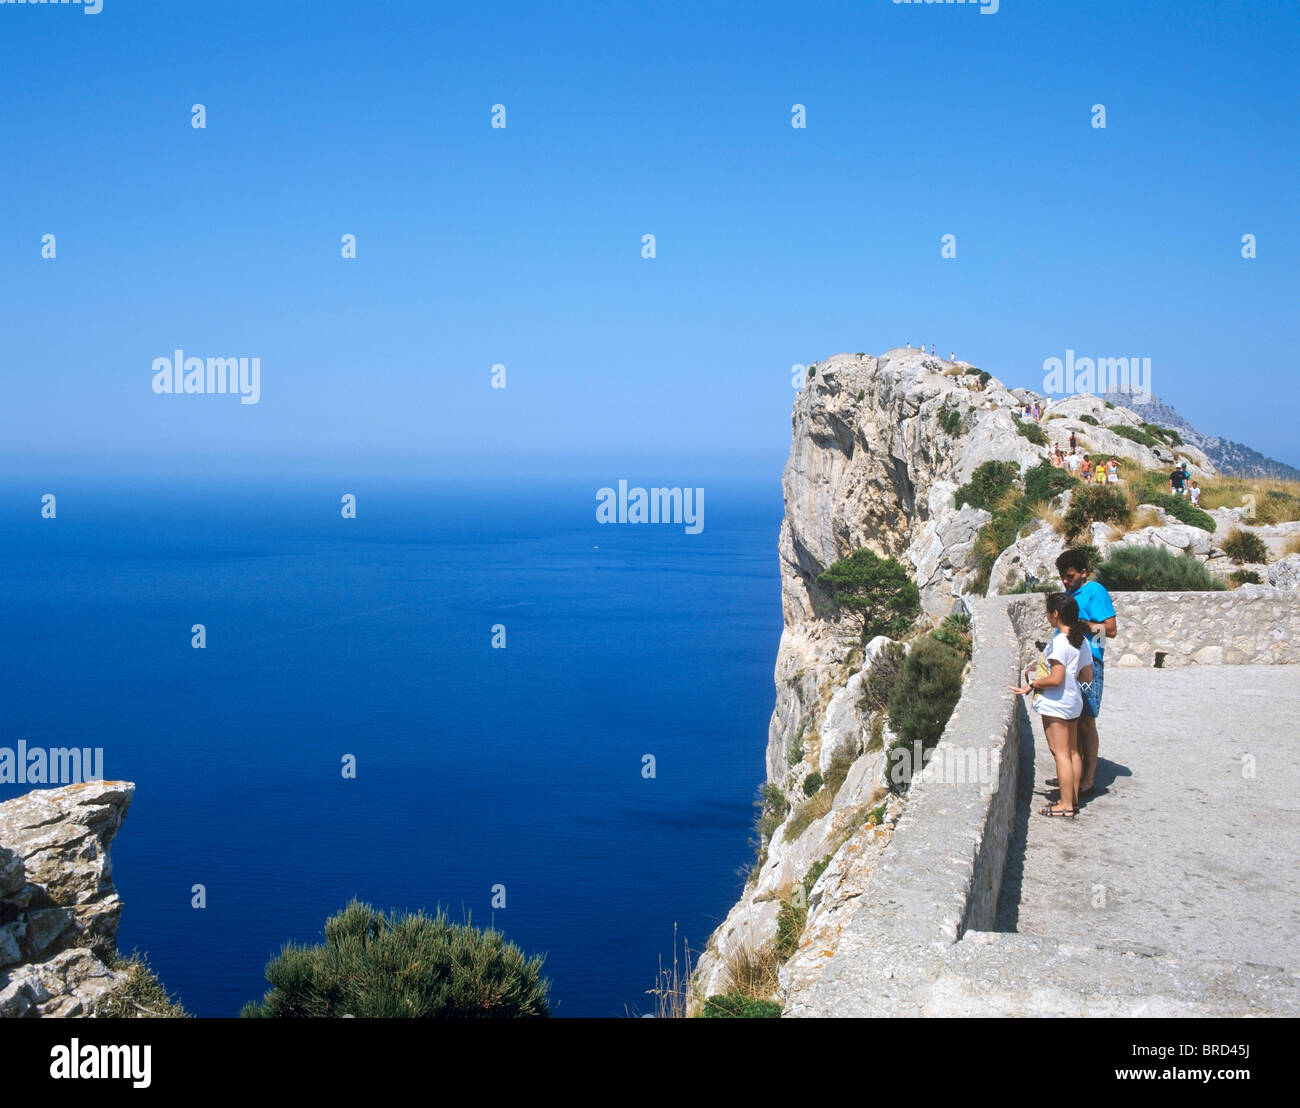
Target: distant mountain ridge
x=1232 y=458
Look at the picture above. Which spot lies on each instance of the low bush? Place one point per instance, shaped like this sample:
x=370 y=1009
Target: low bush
x=1037 y=586
x=790 y=920
x=1154 y=569
x=1182 y=510
x=373 y=965
x=773 y=808
x=1244 y=546
x=987 y=484
x=922 y=700
x=880 y=678
x=1045 y=482
x=1167 y=435
x=951 y=422
x=812 y=783
x=141 y=995
x=1135 y=434
x=1086 y=418
x=955 y=633
x=1032 y=431
x=1094 y=504
x=739 y=1006
x=1239 y=577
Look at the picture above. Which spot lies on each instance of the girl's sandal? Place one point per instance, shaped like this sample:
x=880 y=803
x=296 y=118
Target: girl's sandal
x=1050 y=811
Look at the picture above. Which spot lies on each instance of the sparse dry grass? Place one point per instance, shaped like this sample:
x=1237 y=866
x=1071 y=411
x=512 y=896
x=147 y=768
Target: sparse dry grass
x=752 y=973
x=1044 y=511
x=808 y=813
x=1275 y=501
x=1291 y=546
x=672 y=984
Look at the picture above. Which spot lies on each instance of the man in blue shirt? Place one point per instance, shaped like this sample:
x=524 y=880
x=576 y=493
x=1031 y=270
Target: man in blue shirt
x=1097 y=614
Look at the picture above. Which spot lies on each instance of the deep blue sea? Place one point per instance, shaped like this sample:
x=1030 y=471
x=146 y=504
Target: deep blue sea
x=476 y=766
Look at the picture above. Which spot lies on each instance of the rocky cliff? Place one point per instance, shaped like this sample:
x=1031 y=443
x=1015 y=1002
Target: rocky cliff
x=59 y=910
x=879 y=447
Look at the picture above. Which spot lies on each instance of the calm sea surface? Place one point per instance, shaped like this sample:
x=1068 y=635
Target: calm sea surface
x=476 y=767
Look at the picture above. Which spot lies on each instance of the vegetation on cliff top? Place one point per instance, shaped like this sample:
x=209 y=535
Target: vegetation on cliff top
x=416 y=966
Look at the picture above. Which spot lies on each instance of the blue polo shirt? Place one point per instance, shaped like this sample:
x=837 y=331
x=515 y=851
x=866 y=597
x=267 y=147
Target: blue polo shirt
x=1094 y=606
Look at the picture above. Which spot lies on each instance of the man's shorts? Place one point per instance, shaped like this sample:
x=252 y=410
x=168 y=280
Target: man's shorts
x=1092 y=693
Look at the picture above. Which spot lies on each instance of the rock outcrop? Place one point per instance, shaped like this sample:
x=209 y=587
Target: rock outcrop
x=59 y=910
x=879 y=447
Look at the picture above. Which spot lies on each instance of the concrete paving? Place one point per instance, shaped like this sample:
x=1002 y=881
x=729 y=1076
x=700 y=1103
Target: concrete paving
x=1191 y=844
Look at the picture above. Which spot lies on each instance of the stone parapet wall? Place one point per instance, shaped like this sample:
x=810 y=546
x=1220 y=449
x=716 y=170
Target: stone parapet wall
x=1252 y=625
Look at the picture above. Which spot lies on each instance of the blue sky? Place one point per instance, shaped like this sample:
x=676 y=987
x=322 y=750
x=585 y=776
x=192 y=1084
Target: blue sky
x=522 y=245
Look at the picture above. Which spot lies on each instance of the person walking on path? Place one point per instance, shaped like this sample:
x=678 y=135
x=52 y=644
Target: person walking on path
x=1059 y=700
x=1097 y=618
x=1073 y=444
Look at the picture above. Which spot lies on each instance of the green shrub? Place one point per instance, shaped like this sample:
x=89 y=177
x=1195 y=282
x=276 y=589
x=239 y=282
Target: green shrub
x=1045 y=482
x=377 y=966
x=987 y=484
x=1032 y=431
x=923 y=699
x=955 y=633
x=1182 y=510
x=861 y=393
x=1245 y=546
x=877 y=815
x=1094 y=504
x=1037 y=586
x=1086 y=418
x=773 y=808
x=881 y=676
x=1244 y=577
x=739 y=1006
x=951 y=421
x=795 y=754
x=1135 y=434
x=984 y=377
x=1166 y=434
x=876 y=591
x=1110 y=405
x=814 y=872
x=877 y=740
x=812 y=783
x=838 y=770
x=790 y=920
x=1154 y=569
x=812 y=373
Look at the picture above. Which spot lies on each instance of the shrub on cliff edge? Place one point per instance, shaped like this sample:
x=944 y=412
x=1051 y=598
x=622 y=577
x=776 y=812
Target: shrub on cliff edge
x=415 y=966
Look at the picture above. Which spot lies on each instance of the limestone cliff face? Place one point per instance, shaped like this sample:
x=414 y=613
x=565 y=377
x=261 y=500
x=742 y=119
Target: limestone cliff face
x=59 y=910
x=875 y=459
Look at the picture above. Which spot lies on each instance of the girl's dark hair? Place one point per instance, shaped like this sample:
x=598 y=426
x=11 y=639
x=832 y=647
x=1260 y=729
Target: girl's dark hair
x=1066 y=610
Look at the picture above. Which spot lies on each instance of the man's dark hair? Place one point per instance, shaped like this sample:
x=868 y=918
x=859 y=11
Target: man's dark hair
x=1072 y=559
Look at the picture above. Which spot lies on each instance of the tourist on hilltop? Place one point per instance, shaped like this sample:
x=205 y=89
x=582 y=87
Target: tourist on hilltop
x=1073 y=444
x=1056 y=683
x=1112 y=472
x=1072 y=463
x=1176 y=480
x=1097 y=617
x=1196 y=495
x=1187 y=479
x=1085 y=469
